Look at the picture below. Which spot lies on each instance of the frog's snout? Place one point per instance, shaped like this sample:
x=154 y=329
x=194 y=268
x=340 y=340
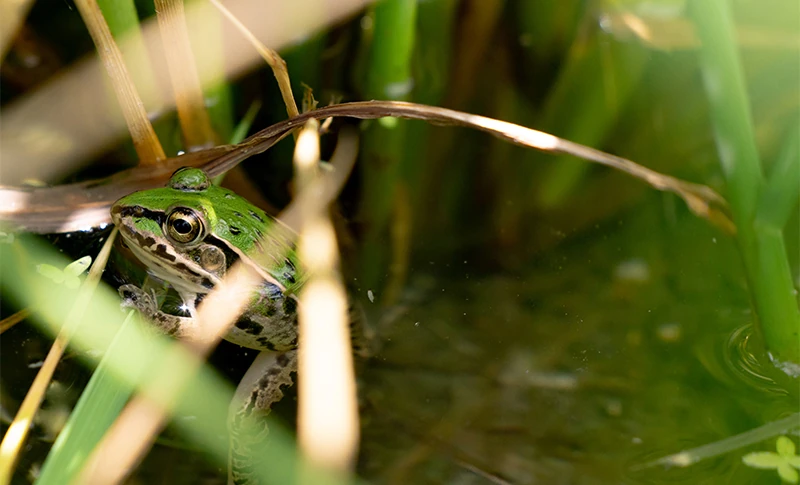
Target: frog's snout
x=120 y=209
x=116 y=211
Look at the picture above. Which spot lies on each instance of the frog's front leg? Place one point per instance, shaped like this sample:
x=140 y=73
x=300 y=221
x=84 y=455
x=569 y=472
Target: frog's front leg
x=145 y=302
x=259 y=389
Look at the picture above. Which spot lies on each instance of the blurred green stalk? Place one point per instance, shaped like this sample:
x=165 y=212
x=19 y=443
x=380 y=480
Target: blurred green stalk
x=780 y=195
x=548 y=27
x=388 y=77
x=432 y=64
x=444 y=189
x=435 y=21
x=760 y=241
x=98 y=407
x=121 y=16
x=584 y=105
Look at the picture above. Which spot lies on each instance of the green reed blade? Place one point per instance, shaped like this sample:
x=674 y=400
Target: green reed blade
x=762 y=247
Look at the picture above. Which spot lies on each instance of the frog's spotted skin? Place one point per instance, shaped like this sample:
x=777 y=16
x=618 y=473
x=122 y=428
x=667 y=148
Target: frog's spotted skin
x=188 y=235
x=232 y=224
x=230 y=229
x=248 y=419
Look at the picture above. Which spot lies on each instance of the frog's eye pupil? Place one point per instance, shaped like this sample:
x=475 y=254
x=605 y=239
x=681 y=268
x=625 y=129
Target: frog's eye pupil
x=184 y=226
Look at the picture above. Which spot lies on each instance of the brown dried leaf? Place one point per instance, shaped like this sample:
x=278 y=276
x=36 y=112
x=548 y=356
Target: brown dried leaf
x=77 y=206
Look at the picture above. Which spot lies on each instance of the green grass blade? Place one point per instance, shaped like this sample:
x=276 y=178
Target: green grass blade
x=432 y=64
x=780 y=196
x=729 y=106
x=388 y=77
x=762 y=248
x=241 y=130
x=98 y=407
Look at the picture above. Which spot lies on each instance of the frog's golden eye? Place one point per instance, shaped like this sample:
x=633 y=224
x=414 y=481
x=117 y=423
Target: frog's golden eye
x=184 y=226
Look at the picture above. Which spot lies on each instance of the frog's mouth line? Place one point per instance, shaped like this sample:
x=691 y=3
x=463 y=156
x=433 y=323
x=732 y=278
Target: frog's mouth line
x=165 y=263
x=168 y=265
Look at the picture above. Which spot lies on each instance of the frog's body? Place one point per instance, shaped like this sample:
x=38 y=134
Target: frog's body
x=188 y=235
x=221 y=228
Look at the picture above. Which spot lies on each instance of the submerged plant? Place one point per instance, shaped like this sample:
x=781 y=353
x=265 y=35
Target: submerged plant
x=784 y=460
x=69 y=276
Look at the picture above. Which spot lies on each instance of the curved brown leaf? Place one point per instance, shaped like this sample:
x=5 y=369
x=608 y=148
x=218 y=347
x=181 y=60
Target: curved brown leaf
x=81 y=206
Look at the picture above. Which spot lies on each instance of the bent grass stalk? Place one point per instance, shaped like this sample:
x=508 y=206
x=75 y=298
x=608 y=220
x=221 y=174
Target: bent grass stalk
x=123 y=22
x=147 y=146
x=189 y=101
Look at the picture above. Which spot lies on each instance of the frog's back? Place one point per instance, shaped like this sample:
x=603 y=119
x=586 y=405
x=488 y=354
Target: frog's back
x=240 y=225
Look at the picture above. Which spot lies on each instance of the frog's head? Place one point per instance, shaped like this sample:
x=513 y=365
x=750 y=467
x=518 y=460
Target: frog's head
x=190 y=232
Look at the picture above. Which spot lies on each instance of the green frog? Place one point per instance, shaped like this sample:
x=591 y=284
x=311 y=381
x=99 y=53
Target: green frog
x=188 y=235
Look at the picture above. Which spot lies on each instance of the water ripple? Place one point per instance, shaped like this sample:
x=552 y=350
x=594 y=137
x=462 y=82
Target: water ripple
x=739 y=361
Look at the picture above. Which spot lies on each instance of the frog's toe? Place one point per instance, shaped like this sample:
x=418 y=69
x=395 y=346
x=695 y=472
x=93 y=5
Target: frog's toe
x=129 y=292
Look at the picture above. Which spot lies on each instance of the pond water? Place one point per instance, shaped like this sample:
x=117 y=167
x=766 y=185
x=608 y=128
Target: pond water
x=627 y=342
x=623 y=345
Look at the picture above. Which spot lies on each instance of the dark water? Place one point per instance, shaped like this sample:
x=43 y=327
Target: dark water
x=629 y=343
x=626 y=343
